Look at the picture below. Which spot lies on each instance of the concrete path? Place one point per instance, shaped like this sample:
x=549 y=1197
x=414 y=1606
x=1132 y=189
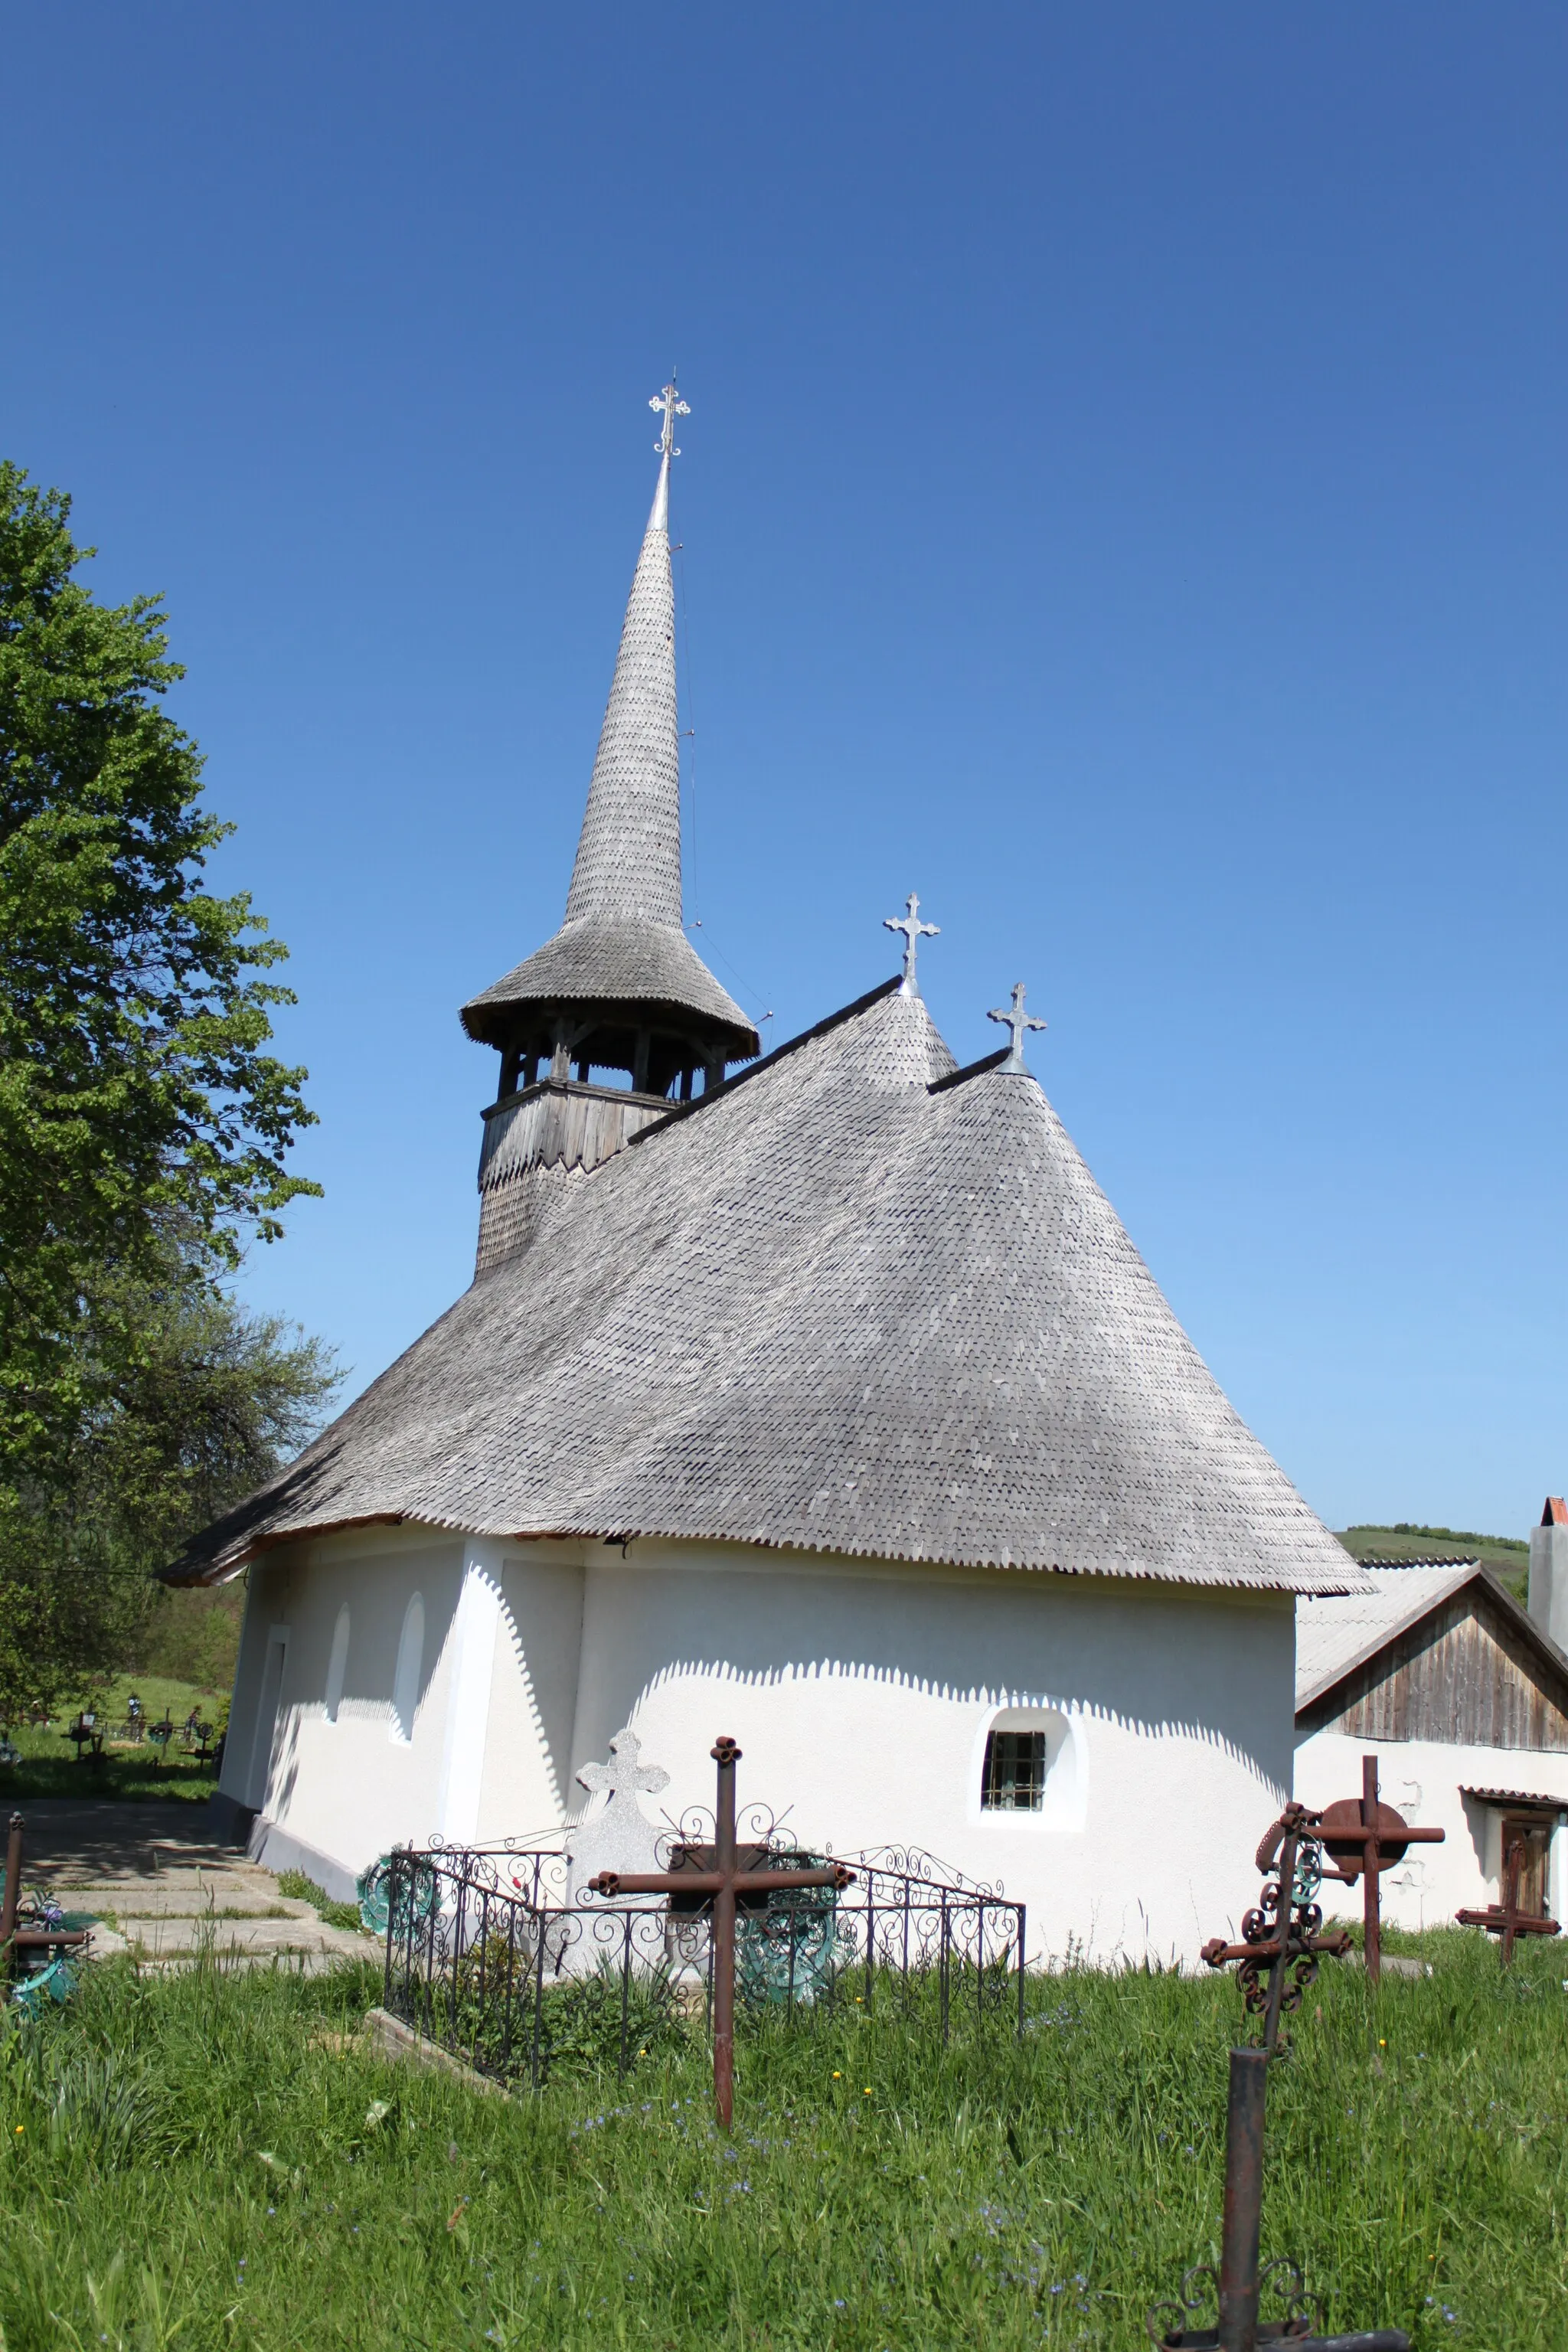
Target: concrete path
x=167 y=1889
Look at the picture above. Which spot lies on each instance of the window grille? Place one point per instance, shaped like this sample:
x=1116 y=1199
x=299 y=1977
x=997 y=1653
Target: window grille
x=1014 y=1772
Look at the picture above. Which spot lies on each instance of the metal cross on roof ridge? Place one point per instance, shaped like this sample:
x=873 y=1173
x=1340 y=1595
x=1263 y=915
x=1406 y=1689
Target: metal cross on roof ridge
x=914 y=930
x=669 y=400
x=1018 y=1022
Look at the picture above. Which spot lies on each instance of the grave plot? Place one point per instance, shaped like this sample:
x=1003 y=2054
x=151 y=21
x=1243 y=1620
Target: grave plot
x=1282 y=1942
x=512 y=1961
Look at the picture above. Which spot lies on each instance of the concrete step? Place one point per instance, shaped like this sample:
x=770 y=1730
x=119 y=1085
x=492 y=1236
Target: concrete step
x=131 y=1899
x=157 y=1860
x=157 y=1938
x=193 y=1885
x=305 y=1964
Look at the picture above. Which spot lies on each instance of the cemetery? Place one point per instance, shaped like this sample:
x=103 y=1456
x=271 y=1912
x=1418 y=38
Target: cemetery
x=925 y=2144
x=966 y=2021
x=722 y=1721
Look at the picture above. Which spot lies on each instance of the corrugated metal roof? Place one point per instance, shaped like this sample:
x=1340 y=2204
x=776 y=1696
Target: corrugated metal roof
x=833 y=1309
x=1445 y=1560
x=1516 y=1796
x=1334 y=1634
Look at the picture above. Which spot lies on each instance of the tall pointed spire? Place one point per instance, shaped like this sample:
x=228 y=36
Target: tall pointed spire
x=620 y=987
x=629 y=853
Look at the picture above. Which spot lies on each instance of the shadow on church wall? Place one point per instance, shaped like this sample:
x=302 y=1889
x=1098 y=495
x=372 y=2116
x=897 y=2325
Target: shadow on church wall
x=1160 y=1664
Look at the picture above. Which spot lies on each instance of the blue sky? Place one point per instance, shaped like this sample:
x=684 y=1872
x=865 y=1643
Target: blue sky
x=1124 y=500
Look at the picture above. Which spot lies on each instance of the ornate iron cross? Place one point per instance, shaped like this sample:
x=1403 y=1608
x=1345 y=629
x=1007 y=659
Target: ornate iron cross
x=1018 y=1022
x=1286 y=1929
x=669 y=400
x=724 y=1883
x=914 y=931
x=1282 y=1933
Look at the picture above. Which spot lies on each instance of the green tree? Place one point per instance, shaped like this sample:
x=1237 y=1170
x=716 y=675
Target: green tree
x=144 y=1126
x=207 y=1402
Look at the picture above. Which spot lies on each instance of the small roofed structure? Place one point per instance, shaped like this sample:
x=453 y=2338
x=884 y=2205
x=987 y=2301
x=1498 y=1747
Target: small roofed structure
x=1463 y=1697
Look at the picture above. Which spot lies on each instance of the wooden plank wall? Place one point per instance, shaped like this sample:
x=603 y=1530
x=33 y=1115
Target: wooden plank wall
x=1463 y=1674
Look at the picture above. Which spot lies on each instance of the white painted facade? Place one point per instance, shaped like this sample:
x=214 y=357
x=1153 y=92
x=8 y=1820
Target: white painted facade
x=475 y=1678
x=1422 y=1779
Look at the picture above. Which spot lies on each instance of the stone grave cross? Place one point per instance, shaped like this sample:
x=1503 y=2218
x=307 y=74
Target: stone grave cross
x=620 y=1836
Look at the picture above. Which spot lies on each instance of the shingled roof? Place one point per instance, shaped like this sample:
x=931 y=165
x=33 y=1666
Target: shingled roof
x=622 y=940
x=844 y=1305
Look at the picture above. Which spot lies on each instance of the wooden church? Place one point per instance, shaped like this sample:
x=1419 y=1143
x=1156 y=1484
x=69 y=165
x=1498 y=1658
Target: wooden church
x=818 y=1399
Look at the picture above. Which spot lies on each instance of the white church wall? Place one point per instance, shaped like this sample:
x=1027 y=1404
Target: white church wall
x=333 y=1792
x=861 y=1694
x=527 y=1782
x=1421 y=1778
x=261 y=1612
x=319 y=1747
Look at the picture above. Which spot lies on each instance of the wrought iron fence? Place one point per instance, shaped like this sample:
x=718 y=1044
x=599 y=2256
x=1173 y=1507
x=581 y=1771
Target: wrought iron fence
x=487 y=1957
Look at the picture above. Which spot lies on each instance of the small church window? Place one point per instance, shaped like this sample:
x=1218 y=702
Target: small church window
x=406 y=1681
x=1015 y=1766
x=337 y=1664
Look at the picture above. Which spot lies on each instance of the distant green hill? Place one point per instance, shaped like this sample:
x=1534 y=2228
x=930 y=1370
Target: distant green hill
x=1507 y=1556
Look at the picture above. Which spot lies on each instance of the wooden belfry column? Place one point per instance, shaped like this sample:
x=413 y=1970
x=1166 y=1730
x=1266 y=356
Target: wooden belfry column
x=724 y=1883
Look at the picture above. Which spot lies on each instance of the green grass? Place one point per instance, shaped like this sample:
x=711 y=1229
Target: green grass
x=295 y=1884
x=202 y=2161
x=49 y=1766
x=1508 y=1557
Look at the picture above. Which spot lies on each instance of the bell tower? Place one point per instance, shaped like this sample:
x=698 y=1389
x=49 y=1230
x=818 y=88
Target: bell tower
x=616 y=1016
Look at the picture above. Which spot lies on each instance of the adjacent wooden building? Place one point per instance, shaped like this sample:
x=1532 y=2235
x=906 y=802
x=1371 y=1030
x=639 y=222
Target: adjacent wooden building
x=1464 y=1697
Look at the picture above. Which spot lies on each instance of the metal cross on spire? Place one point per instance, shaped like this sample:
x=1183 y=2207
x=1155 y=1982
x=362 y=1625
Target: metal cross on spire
x=669 y=400
x=1018 y=1022
x=914 y=931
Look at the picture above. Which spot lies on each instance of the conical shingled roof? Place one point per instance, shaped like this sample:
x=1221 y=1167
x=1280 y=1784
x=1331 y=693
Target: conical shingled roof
x=622 y=940
x=830 y=1309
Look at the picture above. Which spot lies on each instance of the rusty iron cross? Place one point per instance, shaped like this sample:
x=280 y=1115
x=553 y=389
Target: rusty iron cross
x=1506 y=1918
x=914 y=930
x=1286 y=1930
x=1367 y=1838
x=16 y=1940
x=724 y=1882
x=1017 y=1022
x=1283 y=1933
